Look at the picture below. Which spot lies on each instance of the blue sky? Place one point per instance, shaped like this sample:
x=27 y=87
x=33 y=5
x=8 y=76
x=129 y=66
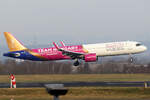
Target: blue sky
x=75 y=21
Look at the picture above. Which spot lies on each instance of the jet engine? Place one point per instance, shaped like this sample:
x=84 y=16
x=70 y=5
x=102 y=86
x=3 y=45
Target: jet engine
x=91 y=57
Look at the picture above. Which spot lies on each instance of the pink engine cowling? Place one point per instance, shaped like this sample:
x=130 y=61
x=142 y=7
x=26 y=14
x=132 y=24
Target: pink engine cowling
x=91 y=57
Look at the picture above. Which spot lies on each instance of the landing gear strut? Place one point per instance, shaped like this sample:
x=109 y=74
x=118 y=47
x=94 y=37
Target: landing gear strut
x=76 y=63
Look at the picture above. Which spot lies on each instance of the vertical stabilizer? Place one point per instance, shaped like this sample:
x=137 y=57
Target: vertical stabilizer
x=13 y=44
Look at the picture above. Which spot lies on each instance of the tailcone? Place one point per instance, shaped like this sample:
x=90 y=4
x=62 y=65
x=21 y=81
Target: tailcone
x=5 y=54
x=9 y=54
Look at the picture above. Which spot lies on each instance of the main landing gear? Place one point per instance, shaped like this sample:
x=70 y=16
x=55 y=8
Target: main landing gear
x=76 y=63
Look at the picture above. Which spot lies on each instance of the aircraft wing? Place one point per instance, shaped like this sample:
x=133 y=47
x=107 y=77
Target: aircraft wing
x=71 y=54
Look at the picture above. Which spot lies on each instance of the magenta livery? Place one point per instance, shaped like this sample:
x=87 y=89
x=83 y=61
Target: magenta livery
x=88 y=53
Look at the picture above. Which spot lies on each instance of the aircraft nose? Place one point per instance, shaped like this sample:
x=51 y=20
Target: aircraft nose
x=144 y=48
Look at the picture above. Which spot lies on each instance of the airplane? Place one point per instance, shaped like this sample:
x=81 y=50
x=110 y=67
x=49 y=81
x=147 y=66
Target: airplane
x=86 y=52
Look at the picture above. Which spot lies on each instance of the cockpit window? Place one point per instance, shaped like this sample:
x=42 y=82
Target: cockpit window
x=138 y=44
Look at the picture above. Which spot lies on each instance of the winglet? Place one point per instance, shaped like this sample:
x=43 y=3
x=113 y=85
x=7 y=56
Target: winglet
x=62 y=43
x=56 y=46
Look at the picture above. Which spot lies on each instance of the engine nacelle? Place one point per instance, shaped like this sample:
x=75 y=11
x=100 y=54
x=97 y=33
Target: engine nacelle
x=91 y=57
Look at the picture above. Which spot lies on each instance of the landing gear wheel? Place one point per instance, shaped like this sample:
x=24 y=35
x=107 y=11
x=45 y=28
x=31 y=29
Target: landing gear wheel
x=76 y=63
x=131 y=60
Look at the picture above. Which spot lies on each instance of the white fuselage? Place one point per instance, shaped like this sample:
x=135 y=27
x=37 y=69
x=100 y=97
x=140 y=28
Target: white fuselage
x=115 y=48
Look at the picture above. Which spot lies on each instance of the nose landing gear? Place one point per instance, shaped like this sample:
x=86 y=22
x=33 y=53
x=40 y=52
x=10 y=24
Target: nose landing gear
x=131 y=59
